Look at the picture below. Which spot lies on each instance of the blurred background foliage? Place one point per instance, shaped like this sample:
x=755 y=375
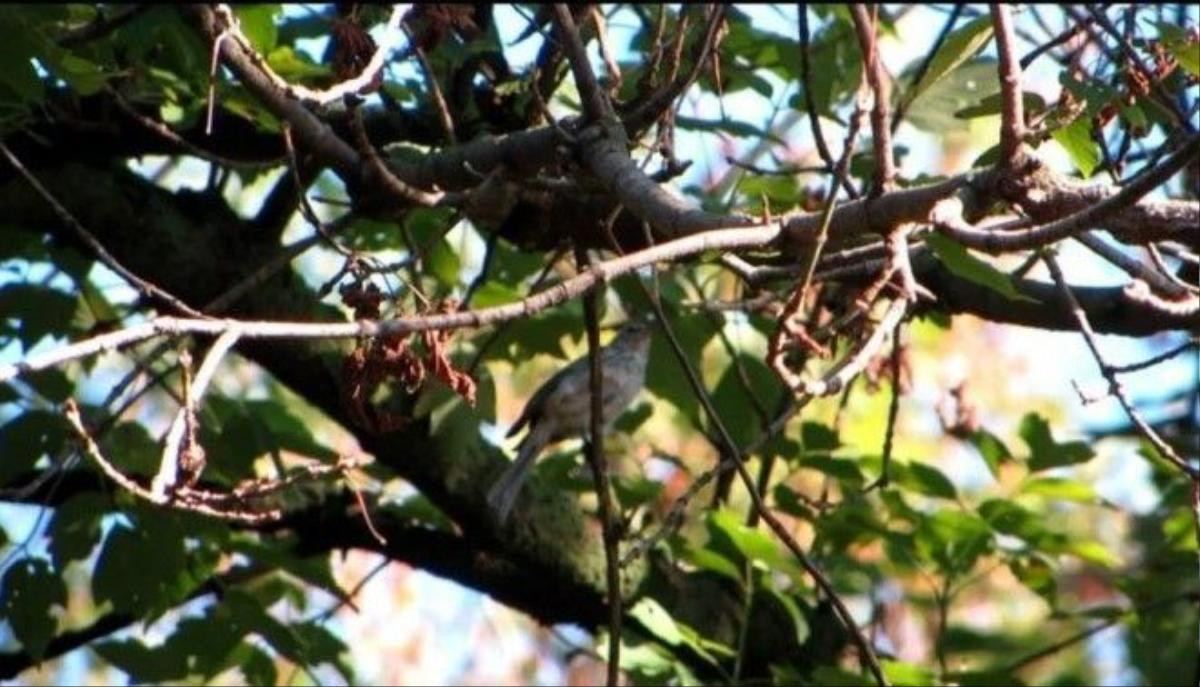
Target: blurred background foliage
x=1043 y=544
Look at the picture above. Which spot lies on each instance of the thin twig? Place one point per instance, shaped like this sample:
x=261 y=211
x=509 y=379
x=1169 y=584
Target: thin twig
x=889 y=433
x=559 y=293
x=600 y=477
x=606 y=51
x=810 y=104
x=905 y=101
x=1162 y=357
x=948 y=219
x=1012 y=110
x=1110 y=375
x=168 y=467
x=171 y=136
x=1158 y=281
x=595 y=104
x=1192 y=595
x=731 y=449
x=435 y=90
x=885 y=160
x=87 y=238
x=1070 y=33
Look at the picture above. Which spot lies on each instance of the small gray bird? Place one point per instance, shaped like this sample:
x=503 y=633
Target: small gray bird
x=561 y=408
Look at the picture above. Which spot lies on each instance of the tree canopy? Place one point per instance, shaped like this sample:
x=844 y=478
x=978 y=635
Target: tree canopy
x=275 y=279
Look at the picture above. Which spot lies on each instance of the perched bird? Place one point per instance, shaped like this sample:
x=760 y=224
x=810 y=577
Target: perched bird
x=561 y=407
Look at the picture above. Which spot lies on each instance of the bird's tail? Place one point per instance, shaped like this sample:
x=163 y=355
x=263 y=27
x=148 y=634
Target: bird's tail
x=503 y=494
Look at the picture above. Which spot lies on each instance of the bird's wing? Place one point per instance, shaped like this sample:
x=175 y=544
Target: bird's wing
x=537 y=402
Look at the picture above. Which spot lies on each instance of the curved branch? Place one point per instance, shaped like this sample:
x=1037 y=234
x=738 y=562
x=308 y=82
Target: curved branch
x=947 y=215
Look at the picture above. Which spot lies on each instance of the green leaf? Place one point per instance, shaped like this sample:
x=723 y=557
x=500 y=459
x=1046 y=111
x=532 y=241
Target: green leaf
x=1059 y=489
x=749 y=542
x=992 y=104
x=28 y=437
x=296 y=67
x=933 y=112
x=898 y=673
x=38 y=311
x=1047 y=453
x=492 y=293
x=844 y=470
x=85 y=76
x=28 y=590
x=304 y=643
x=1007 y=517
x=75 y=528
x=834 y=62
x=1036 y=573
x=789 y=502
x=953 y=539
x=124 y=577
x=258 y=23
x=961 y=45
x=666 y=378
x=706 y=558
x=991 y=449
x=817 y=437
x=961 y=263
x=426 y=224
x=1185 y=50
x=19 y=81
x=258 y=667
x=1093 y=552
x=657 y=621
x=314 y=570
x=829 y=676
x=129 y=446
x=143 y=663
x=924 y=479
x=800 y=628
x=419 y=509
x=51 y=384
x=443 y=263
x=734 y=401
x=1076 y=140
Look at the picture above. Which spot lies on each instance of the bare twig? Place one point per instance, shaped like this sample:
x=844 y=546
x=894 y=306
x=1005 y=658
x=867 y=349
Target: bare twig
x=889 y=433
x=595 y=103
x=88 y=239
x=877 y=78
x=661 y=100
x=1158 y=281
x=559 y=293
x=1070 y=33
x=435 y=90
x=1110 y=375
x=606 y=51
x=906 y=100
x=1191 y=595
x=947 y=214
x=71 y=412
x=170 y=135
x=168 y=468
x=1162 y=357
x=600 y=477
x=810 y=104
x=1012 y=111
x=339 y=90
